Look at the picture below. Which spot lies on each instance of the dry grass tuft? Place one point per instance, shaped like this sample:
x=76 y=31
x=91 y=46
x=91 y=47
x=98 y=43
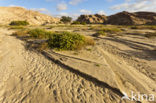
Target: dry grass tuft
x=21 y=33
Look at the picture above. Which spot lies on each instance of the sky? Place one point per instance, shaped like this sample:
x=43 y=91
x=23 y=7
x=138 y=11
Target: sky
x=74 y=8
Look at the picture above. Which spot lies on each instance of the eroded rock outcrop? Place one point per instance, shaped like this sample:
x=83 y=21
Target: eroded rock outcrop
x=136 y=18
x=92 y=19
x=122 y=18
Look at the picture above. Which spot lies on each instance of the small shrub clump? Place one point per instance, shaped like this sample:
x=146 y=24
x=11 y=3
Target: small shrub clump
x=18 y=23
x=21 y=33
x=39 y=33
x=83 y=23
x=68 y=41
x=111 y=30
x=106 y=31
x=16 y=27
x=101 y=33
x=59 y=41
x=134 y=27
x=66 y=19
x=76 y=23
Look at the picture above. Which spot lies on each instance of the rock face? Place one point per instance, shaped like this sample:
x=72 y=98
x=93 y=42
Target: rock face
x=9 y=14
x=92 y=19
x=122 y=18
x=150 y=17
x=136 y=18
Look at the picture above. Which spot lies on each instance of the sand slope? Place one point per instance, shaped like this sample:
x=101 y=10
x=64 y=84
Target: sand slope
x=9 y=14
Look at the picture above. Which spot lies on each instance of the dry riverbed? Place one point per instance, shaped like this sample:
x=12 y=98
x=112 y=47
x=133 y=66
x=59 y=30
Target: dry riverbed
x=30 y=77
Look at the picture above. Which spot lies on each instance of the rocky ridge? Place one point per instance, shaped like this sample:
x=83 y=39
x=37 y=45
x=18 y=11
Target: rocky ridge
x=121 y=18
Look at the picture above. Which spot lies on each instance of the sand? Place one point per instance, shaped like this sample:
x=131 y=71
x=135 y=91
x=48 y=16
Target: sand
x=28 y=77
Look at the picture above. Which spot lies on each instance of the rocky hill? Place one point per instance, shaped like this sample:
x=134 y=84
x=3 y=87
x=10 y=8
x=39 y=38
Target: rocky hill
x=92 y=19
x=122 y=18
x=136 y=18
x=9 y=14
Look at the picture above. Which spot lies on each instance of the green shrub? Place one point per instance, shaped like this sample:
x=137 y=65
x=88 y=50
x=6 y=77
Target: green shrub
x=98 y=65
x=68 y=41
x=39 y=33
x=66 y=19
x=101 y=33
x=106 y=31
x=50 y=27
x=21 y=33
x=18 y=23
x=134 y=27
x=16 y=27
x=83 y=23
x=111 y=30
x=76 y=22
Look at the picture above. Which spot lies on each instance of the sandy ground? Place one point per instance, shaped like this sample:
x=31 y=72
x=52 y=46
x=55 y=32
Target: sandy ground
x=28 y=77
x=130 y=56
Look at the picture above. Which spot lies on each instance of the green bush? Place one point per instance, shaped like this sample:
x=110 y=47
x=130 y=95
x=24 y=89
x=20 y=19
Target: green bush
x=76 y=22
x=111 y=30
x=83 y=23
x=68 y=41
x=101 y=33
x=16 y=27
x=66 y=19
x=18 y=23
x=39 y=33
x=21 y=33
x=134 y=27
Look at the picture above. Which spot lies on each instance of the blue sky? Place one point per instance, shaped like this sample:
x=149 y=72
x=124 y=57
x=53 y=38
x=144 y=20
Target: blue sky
x=76 y=7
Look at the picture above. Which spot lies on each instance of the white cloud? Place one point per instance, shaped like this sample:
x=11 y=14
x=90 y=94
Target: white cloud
x=84 y=11
x=61 y=6
x=101 y=12
x=12 y=5
x=136 y=5
x=75 y=2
